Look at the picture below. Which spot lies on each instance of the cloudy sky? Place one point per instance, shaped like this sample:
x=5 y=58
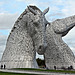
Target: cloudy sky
x=11 y=9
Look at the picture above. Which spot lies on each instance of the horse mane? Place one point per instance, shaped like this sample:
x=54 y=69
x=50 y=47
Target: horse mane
x=35 y=8
x=25 y=12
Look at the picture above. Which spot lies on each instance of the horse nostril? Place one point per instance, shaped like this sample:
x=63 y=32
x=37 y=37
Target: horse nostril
x=40 y=50
x=40 y=47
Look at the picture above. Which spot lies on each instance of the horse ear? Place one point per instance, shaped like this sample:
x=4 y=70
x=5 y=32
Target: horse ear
x=45 y=11
x=32 y=10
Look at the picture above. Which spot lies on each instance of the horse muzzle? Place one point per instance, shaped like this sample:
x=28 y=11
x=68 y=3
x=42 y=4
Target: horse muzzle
x=42 y=48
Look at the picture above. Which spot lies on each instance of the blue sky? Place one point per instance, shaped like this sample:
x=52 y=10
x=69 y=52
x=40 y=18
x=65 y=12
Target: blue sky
x=11 y=9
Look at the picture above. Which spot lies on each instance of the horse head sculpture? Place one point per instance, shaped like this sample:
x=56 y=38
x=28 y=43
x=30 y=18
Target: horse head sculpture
x=58 y=53
x=26 y=37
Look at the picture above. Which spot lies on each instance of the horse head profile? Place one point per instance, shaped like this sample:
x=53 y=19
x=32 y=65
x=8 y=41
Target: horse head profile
x=26 y=37
x=39 y=29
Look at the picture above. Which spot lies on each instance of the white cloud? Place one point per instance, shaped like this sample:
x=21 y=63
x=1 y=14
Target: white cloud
x=73 y=49
x=1 y=3
x=69 y=7
x=7 y=20
x=2 y=48
x=3 y=39
x=70 y=36
x=66 y=7
x=28 y=2
x=69 y=39
x=25 y=0
x=19 y=0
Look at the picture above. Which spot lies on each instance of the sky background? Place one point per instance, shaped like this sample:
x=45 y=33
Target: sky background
x=10 y=10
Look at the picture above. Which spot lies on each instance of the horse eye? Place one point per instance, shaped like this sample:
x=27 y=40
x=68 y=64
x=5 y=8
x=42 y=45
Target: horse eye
x=36 y=24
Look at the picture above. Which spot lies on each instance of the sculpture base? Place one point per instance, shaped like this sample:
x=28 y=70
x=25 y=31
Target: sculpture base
x=20 y=64
x=64 y=65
